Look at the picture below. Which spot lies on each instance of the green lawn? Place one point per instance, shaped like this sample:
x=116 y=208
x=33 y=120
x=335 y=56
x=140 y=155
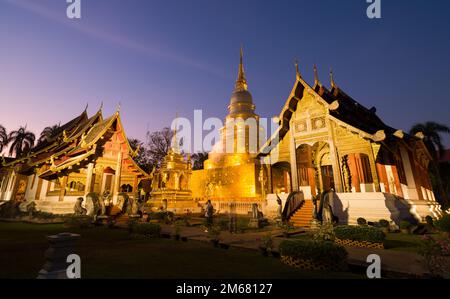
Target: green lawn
x=114 y=253
x=402 y=242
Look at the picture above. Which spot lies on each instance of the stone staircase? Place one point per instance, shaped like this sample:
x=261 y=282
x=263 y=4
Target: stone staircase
x=303 y=216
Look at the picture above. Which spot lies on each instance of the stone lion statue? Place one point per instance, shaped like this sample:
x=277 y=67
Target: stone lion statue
x=31 y=209
x=78 y=208
x=132 y=206
x=94 y=205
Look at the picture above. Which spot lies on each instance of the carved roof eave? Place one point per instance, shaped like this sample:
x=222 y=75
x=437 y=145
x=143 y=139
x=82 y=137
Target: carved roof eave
x=53 y=145
x=66 y=164
x=379 y=136
x=131 y=152
x=116 y=117
x=88 y=125
x=284 y=122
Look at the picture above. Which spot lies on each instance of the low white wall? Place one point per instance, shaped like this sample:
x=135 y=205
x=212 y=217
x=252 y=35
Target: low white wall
x=270 y=209
x=373 y=206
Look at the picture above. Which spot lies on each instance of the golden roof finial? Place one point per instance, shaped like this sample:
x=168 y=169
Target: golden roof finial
x=333 y=84
x=316 y=76
x=65 y=137
x=241 y=82
x=118 y=108
x=297 y=72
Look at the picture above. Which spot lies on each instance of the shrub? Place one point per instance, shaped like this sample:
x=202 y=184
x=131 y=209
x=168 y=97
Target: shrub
x=214 y=232
x=435 y=253
x=383 y=223
x=443 y=224
x=361 y=221
x=359 y=233
x=267 y=241
x=176 y=229
x=223 y=223
x=148 y=229
x=405 y=224
x=429 y=220
x=326 y=252
x=132 y=223
x=242 y=223
x=161 y=216
x=79 y=221
x=325 y=232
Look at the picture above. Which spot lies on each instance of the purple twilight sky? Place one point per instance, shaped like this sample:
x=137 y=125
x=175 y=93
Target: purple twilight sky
x=162 y=57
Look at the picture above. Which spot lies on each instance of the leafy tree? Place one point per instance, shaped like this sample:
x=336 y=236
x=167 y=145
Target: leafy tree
x=4 y=140
x=21 y=142
x=158 y=145
x=433 y=141
x=48 y=133
x=142 y=157
x=199 y=159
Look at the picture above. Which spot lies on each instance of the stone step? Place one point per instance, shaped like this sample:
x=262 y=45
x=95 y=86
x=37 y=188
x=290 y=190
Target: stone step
x=303 y=216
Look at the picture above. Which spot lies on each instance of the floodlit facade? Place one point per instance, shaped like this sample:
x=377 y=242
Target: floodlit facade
x=87 y=154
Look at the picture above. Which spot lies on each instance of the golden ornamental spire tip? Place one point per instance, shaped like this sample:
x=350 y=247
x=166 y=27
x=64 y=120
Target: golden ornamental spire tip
x=333 y=84
x=297 y=71
x=316 y=76
x=241 y=82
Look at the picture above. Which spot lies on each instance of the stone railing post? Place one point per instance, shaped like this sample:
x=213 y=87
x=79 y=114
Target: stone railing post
x=61 y=246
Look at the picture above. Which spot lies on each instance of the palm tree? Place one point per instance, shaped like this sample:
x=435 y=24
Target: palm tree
x=48 y=133
x=3 y=138
x=21 y=141
x=433 y=142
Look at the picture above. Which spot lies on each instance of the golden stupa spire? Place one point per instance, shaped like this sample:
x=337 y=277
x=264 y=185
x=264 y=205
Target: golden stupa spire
x=175 y=144
x=241 y=82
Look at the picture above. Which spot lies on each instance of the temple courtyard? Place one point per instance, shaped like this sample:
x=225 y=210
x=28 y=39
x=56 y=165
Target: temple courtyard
x=104 y=251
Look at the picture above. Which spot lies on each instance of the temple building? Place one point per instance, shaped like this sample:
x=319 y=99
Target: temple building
x=87 y=154
x=232 y=171
x=328 y=141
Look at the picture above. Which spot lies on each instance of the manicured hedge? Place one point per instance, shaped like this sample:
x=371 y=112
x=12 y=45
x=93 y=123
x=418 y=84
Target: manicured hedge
x=146 y=229
x=326 y=252
x=359 y=233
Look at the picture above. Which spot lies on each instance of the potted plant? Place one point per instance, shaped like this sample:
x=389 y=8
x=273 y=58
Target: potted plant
x=266 y=244
x=176 y=231
x=286 y=230
x=214 y=235
x=384 y=225
x=405 y=227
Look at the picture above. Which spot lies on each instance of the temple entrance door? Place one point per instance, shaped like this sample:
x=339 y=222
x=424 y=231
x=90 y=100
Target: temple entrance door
x=108 y=180
x=327 y=177
x=281 y=177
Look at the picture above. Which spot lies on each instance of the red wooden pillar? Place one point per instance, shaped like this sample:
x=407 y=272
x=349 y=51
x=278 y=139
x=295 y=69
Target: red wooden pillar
x=354 y=172
x=382 y=176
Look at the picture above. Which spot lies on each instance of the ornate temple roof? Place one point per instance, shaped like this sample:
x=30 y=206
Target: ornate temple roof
x=75 y=144
x=342 y=108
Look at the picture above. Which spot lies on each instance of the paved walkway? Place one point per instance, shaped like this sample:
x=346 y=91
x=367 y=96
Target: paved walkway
x=395 y=262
